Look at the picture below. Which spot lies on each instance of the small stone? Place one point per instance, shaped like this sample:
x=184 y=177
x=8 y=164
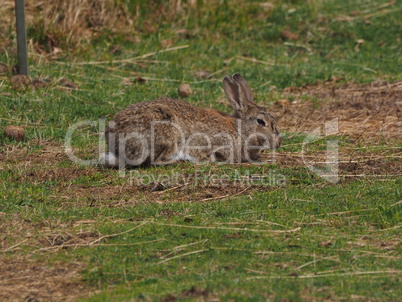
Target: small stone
x=14 y=132
x=20 y=82
x=184 y=90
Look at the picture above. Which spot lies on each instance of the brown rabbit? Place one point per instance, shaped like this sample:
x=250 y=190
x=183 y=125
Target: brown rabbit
x=165 y=130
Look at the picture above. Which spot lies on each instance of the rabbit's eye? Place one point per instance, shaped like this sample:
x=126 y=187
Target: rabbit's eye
x=261 y=122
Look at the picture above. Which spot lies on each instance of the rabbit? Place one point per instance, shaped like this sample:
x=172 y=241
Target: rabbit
x=167 y=130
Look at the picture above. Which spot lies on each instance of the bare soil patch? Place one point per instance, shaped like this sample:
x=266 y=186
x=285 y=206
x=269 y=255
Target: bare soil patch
x=141 y=187
x=368 y=117
x=29 y=277
x=370 y=111
x=26 y=280
x=47 y=152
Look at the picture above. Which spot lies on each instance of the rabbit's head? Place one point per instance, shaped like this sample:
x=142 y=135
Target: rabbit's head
x=257 y=126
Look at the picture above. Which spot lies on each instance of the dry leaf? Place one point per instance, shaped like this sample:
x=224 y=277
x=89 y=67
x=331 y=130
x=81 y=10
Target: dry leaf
x=56 y=51
x=183 y=32
x=287 y=34
x=358 y=43
x=335 y=79
x=126 y=82
x=167 y=43
x=202 y=74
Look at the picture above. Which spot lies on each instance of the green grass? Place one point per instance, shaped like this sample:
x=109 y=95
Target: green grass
x=303 y=239
x=346 y=245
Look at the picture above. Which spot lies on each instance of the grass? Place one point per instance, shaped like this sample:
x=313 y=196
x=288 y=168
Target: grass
x=305 y=240
x=275 y=232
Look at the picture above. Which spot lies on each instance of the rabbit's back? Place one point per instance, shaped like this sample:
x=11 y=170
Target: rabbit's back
x=190 y=119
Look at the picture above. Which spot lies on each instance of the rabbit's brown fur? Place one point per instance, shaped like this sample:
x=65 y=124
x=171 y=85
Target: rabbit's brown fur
x=165 y=130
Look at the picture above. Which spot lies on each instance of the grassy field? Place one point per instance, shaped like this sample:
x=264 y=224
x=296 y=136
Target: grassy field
x=238 y=232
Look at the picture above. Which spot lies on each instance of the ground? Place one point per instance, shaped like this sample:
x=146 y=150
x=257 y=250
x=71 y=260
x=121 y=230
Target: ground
x=369 y=118
x=320 y=220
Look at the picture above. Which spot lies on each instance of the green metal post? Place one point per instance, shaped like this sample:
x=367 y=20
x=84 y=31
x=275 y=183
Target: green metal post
x=21 y=37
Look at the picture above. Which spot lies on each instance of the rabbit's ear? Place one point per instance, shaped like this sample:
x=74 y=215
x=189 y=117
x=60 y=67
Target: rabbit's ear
x=246 y=89
x=235 y=95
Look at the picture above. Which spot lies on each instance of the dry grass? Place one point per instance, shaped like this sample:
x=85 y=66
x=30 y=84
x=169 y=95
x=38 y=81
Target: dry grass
x=36 y=281
x=371 y=111
x=30 y=278
x=370 y=122
x=53 y=24
x=59 y=25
